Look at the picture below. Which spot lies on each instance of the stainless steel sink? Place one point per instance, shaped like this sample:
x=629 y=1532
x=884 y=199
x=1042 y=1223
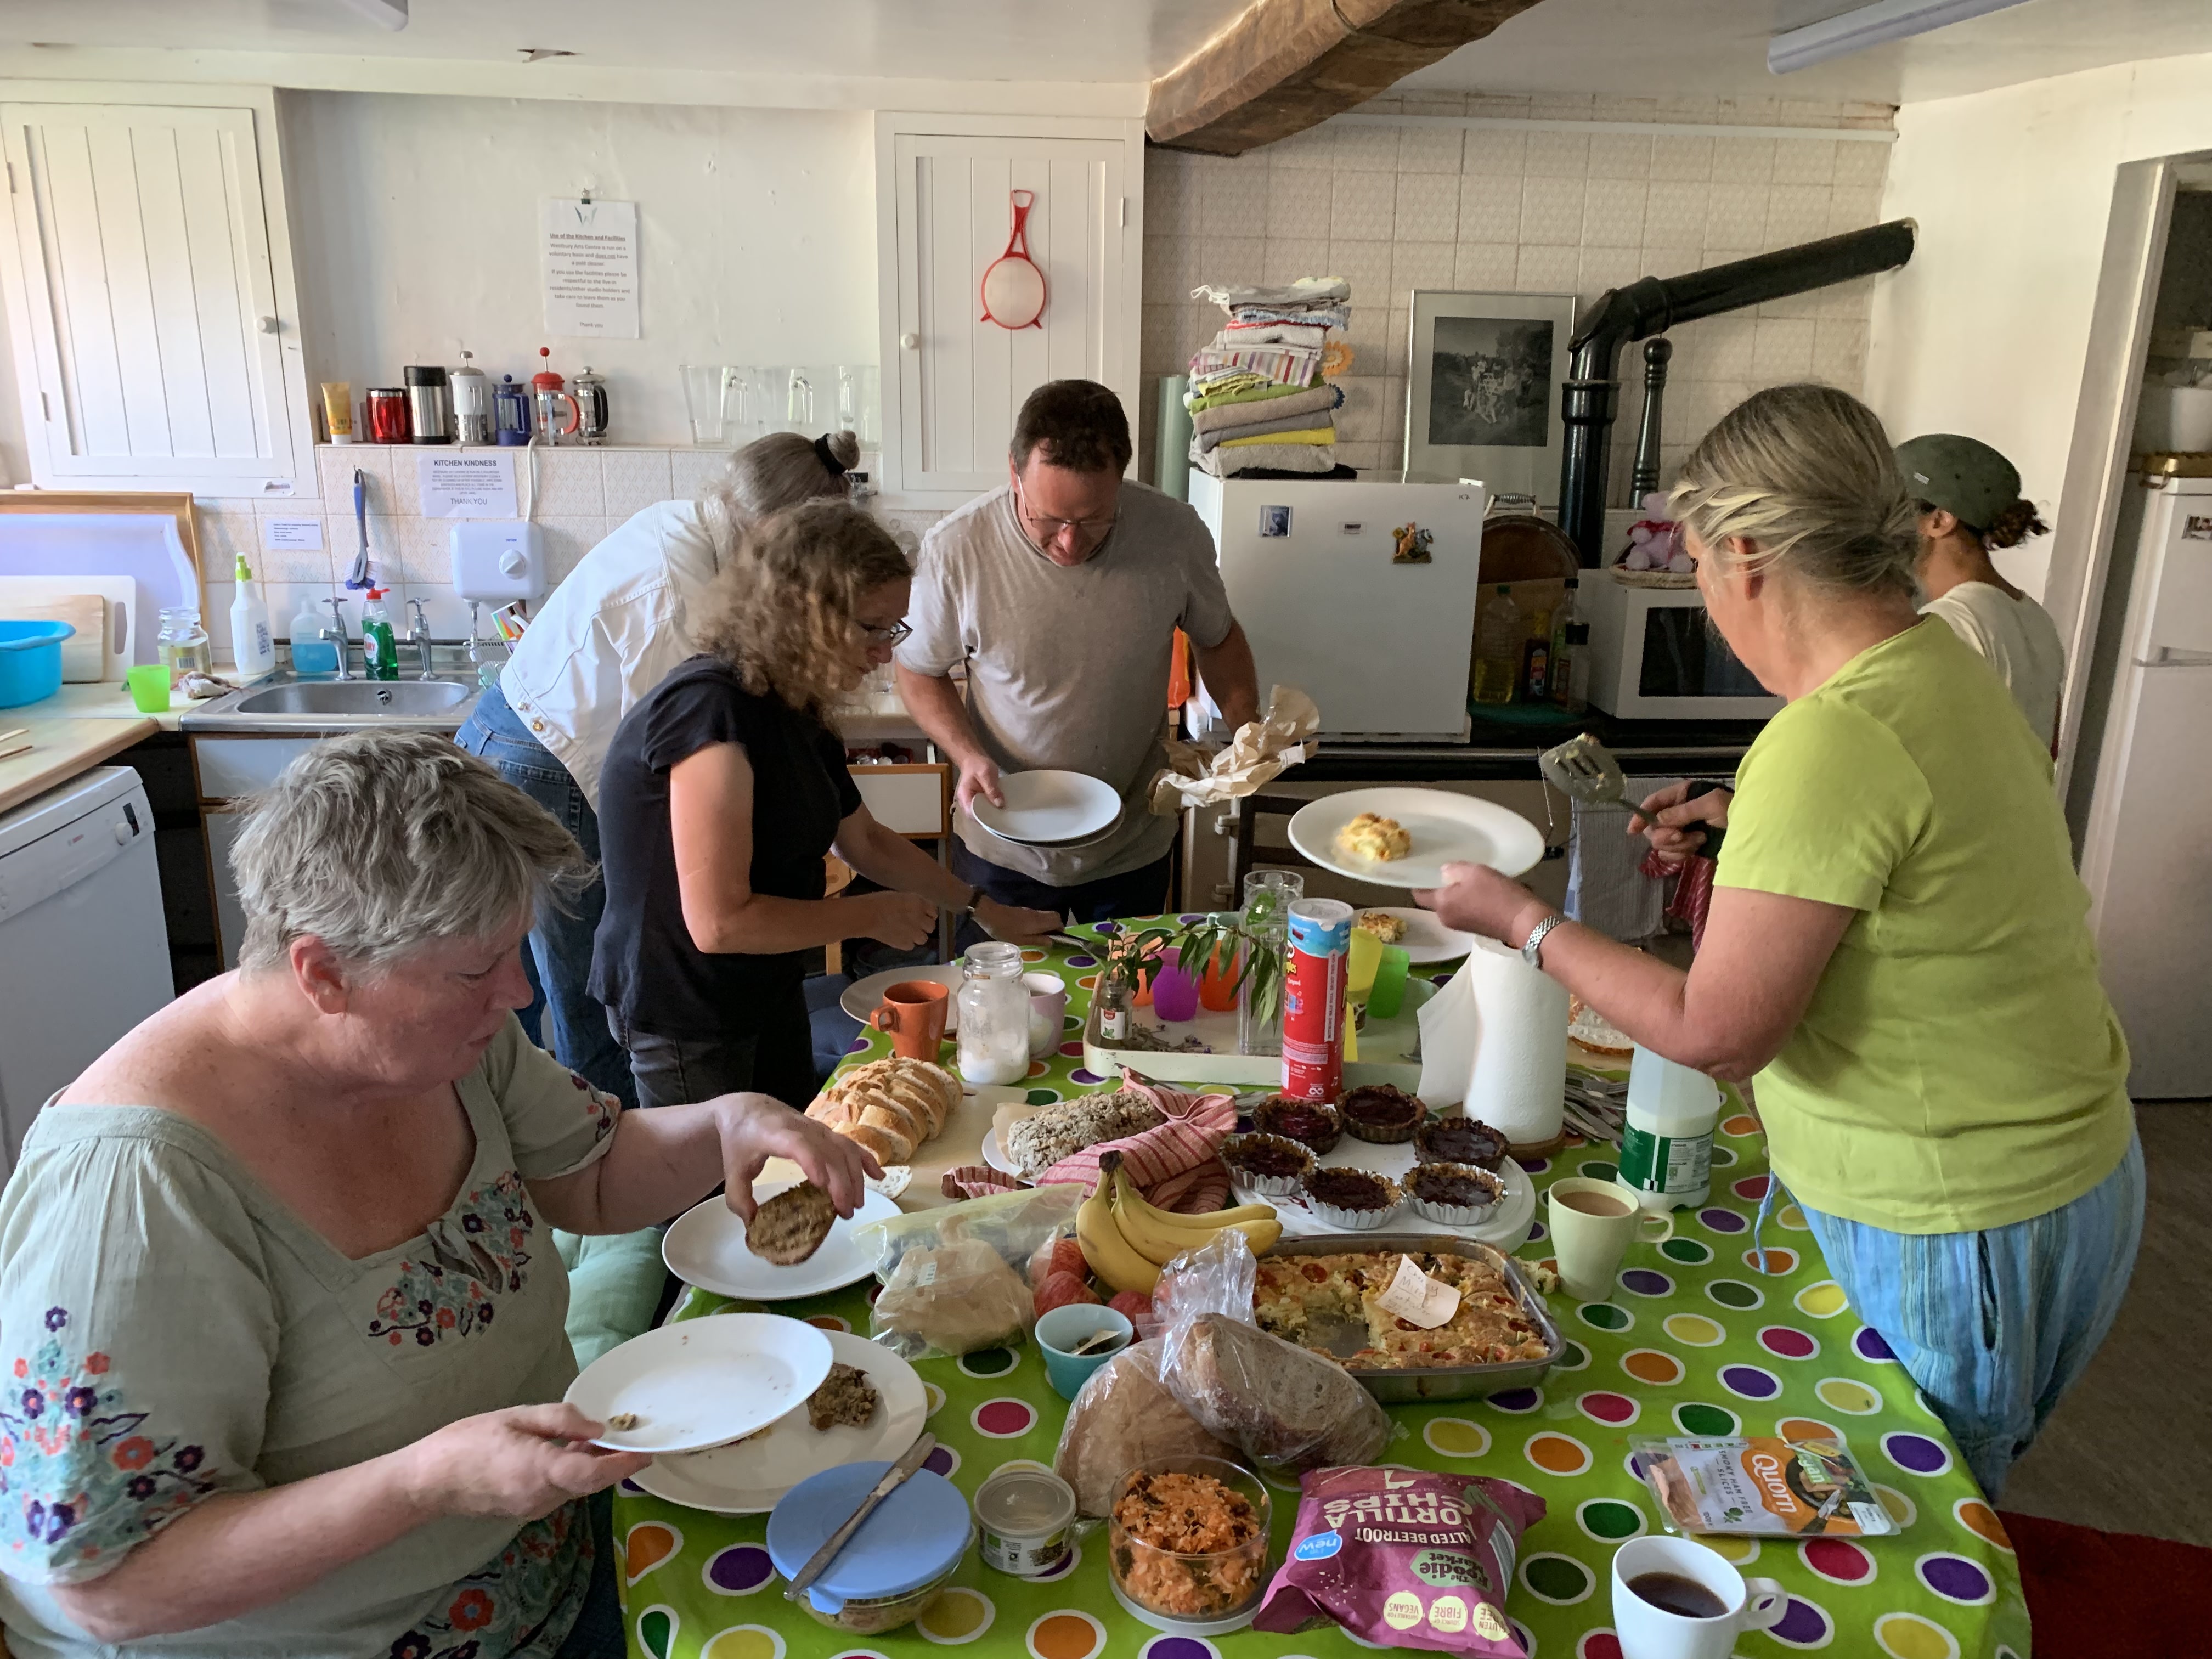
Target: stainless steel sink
x=371 y=697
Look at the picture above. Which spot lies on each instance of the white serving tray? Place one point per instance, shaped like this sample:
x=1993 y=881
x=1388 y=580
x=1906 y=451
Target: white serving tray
x=1389 y=1050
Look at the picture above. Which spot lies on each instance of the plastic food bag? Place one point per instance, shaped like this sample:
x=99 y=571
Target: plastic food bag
x=1288 y=1408
x=1404 y=1558
x=958 y=1279
x=1760 y=1486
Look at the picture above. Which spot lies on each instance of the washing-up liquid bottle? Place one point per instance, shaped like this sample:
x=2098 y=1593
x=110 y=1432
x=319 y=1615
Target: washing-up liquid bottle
x=311 y=652
x=380 y=649
x=252 y=643
x=1667 y=1143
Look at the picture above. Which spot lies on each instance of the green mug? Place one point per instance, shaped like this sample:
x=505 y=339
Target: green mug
x=149 y=687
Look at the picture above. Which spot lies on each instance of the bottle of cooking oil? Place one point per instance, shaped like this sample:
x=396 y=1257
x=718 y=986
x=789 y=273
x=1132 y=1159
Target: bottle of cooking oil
x=1498 y=648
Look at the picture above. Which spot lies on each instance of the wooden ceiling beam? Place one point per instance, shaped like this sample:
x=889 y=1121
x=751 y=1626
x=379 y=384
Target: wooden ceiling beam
x=1285 y=65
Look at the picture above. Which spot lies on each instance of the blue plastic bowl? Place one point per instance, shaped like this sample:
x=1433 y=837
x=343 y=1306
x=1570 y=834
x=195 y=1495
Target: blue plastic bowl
x=30 y=660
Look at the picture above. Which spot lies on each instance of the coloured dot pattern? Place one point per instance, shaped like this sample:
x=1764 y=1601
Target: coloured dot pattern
x=1695 y=1340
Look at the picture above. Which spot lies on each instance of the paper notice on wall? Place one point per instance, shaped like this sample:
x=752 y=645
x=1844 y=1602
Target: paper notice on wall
x=292 y=535
x=469 y=486
x=590 y=268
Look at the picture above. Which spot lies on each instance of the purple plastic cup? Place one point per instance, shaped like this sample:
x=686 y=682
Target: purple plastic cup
x=1175 y=994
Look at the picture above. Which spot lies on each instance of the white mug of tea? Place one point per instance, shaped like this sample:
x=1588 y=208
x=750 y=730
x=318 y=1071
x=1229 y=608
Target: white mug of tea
x=1592 y=1223
x=1674 y=1599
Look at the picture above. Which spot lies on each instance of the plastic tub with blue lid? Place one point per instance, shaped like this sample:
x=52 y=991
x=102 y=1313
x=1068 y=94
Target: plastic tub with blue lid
x=893 y=1567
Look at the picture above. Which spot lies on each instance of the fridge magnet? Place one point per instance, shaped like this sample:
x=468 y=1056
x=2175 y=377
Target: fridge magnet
x=1411 y=543
x=1274 y=521
x=1013 y=286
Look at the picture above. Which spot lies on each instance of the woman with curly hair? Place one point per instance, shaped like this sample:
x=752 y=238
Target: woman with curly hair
x=723 y=789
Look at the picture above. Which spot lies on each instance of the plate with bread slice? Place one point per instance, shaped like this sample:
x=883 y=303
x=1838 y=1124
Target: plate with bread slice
x=707 y=1247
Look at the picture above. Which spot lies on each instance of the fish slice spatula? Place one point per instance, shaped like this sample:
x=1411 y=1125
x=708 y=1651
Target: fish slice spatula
x=1583 y=769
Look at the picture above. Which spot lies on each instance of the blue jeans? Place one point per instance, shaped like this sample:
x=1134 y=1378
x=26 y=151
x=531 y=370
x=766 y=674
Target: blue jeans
x=1995 y=1326
x=561 y=939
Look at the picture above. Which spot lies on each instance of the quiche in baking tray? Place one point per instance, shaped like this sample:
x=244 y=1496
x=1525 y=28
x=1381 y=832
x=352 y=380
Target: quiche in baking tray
x=1326 y=1303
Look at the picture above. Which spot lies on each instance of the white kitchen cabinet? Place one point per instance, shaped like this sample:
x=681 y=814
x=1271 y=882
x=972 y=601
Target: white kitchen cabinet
x=150 y=297
x=952 y=381
x=223 y=823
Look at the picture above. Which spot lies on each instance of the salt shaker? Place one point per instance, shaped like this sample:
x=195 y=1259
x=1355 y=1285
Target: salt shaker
x=994 y=1016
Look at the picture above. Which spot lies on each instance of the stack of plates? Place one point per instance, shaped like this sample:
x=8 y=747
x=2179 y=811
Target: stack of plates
x=1049 y=808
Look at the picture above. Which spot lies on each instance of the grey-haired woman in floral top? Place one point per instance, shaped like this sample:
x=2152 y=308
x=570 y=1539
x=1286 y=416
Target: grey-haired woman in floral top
x=281 y=1318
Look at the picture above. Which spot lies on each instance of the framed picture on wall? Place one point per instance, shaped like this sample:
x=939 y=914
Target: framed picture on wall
x=1482 y=391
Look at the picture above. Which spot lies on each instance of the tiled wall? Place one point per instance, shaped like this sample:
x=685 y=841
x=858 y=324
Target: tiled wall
x=1531 y=210
x=581 y=496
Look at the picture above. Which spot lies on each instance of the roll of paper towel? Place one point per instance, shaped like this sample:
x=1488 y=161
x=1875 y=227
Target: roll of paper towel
x=1495 y=1039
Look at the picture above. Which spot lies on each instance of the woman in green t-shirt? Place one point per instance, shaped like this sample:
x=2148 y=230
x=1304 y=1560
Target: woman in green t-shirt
x=1896 y=948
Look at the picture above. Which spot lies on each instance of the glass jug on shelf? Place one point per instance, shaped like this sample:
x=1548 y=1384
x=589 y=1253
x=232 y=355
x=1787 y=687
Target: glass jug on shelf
x=994 y=1016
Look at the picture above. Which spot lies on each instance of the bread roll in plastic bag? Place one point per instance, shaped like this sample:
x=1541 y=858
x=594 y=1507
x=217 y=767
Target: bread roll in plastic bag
x=956 y=1279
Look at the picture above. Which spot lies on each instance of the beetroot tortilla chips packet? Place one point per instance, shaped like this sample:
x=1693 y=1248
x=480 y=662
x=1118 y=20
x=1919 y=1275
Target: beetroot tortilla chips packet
x=1404 y=1558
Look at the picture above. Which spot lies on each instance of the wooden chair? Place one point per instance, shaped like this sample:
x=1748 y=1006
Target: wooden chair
x=1246 y=852
x=916 y=801
x=836 y=876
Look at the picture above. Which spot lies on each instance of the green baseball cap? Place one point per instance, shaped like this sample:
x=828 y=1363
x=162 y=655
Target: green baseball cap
x=1962 y=475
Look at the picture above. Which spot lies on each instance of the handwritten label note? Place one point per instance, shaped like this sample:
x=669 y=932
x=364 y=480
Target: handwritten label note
x=1415 y=1298
x=292 y=535
x=467 y=486
x=590 y=268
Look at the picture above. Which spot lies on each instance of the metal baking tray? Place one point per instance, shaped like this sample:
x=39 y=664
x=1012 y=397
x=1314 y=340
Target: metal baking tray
x=1410 y=1384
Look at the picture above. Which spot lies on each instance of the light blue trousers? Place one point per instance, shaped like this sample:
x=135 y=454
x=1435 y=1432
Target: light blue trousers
x=1995 y=1326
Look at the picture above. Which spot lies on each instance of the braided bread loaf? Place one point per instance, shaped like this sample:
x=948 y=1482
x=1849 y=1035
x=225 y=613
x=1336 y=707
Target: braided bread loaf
x=889 y=1106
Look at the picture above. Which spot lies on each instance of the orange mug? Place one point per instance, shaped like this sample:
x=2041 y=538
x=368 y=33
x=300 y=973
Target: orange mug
x=913 y=1014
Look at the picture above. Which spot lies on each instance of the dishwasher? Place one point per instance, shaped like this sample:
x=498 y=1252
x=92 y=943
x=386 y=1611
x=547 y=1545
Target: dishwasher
x=84 y=951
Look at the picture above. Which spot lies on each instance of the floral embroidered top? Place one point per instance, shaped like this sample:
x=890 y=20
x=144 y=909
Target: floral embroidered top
x=169 y=1330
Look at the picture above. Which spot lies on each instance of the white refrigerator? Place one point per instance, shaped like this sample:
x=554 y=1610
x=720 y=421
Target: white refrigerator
x=1382 y=647
x=2146 y=838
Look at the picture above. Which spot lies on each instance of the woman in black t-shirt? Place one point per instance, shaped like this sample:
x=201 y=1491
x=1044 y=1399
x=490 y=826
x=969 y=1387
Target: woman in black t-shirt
x=721 y=793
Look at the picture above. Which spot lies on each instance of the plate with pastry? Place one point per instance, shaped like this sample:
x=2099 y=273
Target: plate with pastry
x=707 y=1247
x=1416 y=933
x=870 y=1407
x=1403 y=837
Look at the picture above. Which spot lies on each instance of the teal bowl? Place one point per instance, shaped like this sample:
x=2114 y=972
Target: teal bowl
x=30 y=661
x=1067 y=1328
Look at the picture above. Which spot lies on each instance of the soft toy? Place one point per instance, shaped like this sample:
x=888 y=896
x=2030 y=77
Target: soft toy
x=1655 y=542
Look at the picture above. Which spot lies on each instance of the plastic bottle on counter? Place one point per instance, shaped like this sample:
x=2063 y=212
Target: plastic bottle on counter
x=311 y=652
x=1498 y=648
x=1575 y=676
x=1667 y=1143
x=380 y=649
x=252 y=643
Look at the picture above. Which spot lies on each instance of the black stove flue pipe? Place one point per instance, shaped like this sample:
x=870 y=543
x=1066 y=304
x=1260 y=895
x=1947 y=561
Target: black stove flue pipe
x=1652 y=304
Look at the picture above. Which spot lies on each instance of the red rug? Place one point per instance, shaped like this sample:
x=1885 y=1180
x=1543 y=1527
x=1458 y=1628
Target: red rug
x=2111 y=1594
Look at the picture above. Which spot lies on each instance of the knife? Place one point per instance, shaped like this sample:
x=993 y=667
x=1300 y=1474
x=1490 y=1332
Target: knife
x=893 y=1477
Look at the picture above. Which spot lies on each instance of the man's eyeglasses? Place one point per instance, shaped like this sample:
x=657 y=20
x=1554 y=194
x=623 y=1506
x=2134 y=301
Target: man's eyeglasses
x=896 y=634
x=1048 y=529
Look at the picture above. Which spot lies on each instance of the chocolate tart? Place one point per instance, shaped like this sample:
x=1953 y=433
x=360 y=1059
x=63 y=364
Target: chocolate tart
x=1381 y=1112
x=1307 y=1121
x=1272 y=1166
x=1453 y=1194
x=1460 y=1140
x=1358 y=1200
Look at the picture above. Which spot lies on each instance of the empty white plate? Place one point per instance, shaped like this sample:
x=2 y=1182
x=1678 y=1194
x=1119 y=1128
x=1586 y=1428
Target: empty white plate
x=751 y=1476
x=863 y=996
x=707 y=1248
x=703 y=1382
x=1445 y=828
x=1427 y=939
x=1043 y=807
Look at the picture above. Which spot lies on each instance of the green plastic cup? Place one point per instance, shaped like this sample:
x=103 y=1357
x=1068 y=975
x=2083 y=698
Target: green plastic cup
x=149 y=687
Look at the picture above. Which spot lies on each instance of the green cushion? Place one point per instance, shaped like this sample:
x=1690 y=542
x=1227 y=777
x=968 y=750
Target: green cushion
x=614 y=1286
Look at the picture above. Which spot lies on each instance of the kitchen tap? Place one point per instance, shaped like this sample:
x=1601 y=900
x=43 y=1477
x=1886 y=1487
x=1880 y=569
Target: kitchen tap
x=336 y=634
x=419 y=637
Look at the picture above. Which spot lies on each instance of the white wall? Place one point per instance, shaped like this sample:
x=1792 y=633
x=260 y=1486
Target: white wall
x=415 y=217
x=1987 y=331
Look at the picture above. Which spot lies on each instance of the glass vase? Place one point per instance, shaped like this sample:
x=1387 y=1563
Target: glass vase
x=1268 y=895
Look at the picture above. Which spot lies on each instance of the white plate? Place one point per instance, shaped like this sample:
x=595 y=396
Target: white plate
x=707 y=1248
x=997 y=1159
x=1507 y=1226
x=703 y=1382
x=863 y=997
x=751 y=1476
x=1427 y=939
x=1047 y=806
x=1446 y=829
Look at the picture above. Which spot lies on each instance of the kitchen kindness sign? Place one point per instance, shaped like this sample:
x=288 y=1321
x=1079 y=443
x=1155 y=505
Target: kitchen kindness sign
x=590 y=268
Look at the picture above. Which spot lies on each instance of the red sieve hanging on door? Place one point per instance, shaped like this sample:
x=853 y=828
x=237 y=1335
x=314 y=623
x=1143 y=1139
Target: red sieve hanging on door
x=1013 y=286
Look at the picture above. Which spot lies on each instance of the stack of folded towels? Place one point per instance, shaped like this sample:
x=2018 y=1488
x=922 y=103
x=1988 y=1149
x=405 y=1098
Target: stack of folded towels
x=1259 y=397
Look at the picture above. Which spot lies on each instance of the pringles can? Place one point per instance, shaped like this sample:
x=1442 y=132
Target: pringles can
x=1313 y=999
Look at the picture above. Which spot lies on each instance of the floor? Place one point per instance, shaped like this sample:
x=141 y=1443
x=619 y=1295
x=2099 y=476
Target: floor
x=2126 y=1451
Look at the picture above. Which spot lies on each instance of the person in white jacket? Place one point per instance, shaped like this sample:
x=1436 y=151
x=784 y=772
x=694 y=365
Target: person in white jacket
x=618 y=622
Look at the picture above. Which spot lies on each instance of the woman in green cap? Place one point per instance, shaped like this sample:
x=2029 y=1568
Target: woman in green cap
x=1970 y=503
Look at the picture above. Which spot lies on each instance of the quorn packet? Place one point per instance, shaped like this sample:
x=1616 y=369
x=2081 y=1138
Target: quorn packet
x=1761 y=1487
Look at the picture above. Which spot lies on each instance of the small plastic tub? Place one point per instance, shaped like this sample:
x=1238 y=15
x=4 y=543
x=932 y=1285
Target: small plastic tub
x=30 y=660
x=1202 y=1592
x=890 y=1570
x=1024 y=1518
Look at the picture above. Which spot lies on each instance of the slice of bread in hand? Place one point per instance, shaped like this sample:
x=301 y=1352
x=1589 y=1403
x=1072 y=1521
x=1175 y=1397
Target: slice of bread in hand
x=790 y=1227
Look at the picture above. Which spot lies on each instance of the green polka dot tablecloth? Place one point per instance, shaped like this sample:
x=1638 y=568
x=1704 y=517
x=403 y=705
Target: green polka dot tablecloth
x=1695 y=1340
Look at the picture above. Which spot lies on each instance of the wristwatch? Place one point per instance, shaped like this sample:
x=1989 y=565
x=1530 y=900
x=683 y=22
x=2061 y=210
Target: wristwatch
x=966 y=909
x=1532 y=947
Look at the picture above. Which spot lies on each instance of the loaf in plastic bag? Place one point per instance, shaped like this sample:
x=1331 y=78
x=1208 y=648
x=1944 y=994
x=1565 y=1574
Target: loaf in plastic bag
x=957 y=1279
x=1283 y=1405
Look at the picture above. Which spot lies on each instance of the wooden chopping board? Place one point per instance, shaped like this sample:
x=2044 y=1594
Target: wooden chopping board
x=96 y=606
x=84 y=654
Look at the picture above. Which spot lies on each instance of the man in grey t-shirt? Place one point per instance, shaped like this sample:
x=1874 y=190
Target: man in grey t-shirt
x=1062 y=592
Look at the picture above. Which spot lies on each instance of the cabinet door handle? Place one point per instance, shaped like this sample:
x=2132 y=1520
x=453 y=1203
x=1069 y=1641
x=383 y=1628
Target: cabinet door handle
x=267 y=325
x=909 y=342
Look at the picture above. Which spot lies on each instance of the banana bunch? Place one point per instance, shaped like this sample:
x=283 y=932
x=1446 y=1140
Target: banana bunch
x=1128 y=1241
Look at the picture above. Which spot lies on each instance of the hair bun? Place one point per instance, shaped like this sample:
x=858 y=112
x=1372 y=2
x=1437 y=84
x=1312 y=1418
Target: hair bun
x=845 y=446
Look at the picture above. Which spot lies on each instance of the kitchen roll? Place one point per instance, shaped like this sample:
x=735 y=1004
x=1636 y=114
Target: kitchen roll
x=1495 y=1040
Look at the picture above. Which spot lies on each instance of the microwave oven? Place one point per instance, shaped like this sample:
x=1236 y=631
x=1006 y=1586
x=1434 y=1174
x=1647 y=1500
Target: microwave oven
x=1654 y=656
